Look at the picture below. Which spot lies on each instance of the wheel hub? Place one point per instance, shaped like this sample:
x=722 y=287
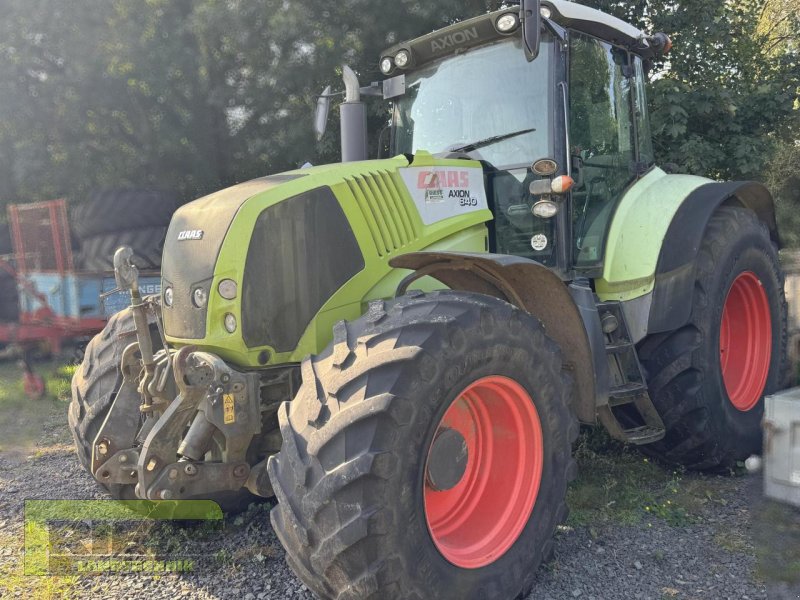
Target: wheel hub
x=447 y=461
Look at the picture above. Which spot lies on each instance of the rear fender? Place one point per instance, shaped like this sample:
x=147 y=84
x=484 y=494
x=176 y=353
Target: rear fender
x=533 y=288
x=676 y=262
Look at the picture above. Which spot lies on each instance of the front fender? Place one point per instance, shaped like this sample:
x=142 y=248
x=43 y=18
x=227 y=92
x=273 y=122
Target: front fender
x=529 y=286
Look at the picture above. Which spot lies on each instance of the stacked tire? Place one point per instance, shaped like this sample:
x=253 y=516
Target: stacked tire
x=9 y=297
x=135 y=218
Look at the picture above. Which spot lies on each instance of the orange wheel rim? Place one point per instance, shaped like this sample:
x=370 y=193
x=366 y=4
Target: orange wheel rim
x=745 y=341
x=477 y=520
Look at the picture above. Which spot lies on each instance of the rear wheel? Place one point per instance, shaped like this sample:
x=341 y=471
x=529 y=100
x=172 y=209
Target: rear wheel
x=708 y=378
x=426 y=454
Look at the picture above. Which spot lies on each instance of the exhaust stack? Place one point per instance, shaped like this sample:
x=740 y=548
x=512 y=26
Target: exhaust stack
x=353 y=119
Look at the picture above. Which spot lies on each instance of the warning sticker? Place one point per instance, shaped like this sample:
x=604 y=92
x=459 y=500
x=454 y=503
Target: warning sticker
x=444 y=192
x=229 y=410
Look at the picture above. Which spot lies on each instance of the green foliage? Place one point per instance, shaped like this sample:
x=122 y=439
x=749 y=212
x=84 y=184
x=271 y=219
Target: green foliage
x=194 y=95
x=783 y=178
x=617 y=485
x=190 y=95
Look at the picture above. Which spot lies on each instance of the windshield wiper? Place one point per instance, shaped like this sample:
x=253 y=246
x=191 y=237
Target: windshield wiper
x=490 y=140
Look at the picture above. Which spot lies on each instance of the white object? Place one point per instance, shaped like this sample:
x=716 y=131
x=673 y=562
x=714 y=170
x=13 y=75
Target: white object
x=782 y=446
x=539 y=242
x=753 y=464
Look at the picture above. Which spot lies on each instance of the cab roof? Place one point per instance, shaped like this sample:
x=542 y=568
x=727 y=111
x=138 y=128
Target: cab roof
x=482 y=29
x=593 y=21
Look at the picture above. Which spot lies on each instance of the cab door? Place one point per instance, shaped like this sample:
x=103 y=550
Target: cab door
x=609 y=139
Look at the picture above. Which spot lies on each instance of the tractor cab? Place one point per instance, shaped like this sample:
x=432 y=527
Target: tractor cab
x=561 y=136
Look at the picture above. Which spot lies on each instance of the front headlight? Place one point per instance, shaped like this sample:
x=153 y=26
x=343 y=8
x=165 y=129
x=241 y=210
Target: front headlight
x=227 y=289
x=200 y=297
x=545 y=209
x=230 y=323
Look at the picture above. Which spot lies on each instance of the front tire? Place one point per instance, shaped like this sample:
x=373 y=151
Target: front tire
x=708 y=379
x=371 y=505
x=94 y=388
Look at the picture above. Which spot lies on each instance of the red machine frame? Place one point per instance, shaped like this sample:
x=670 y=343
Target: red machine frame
x=43 y=324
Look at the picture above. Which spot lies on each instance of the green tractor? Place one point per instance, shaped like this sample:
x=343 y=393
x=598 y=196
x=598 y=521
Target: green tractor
x=400 y=351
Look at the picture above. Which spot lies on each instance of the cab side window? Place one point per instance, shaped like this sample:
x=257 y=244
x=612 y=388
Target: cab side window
x=602 y=138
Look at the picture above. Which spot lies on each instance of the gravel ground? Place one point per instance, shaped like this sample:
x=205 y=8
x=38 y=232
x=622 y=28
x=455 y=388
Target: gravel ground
x=713 y=556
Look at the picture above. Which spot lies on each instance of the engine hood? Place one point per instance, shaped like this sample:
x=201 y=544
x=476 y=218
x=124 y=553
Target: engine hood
x=283 y=231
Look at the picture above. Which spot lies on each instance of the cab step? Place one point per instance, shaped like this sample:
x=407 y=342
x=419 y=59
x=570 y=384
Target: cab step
x=629 y=415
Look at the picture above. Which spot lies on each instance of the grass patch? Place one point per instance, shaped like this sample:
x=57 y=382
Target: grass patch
x=776 y=535
x=14 y=583
x=617 y=484
x=21 y=418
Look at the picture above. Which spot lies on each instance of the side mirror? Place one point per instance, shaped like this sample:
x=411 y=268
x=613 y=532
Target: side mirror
x=531 y=27
x=322 y=112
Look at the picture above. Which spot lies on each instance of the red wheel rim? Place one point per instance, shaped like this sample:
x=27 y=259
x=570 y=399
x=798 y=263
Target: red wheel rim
x=475 y=522
x=745 y=341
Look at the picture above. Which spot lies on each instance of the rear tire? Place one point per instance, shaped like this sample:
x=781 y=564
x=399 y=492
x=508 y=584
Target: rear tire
x=708 y=428
x=355 y=509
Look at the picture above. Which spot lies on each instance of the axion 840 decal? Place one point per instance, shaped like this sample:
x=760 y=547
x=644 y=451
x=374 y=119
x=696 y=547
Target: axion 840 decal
x=444 y=192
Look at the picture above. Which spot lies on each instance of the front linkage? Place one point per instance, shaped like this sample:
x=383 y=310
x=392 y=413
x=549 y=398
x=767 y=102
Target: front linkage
x=171 y=403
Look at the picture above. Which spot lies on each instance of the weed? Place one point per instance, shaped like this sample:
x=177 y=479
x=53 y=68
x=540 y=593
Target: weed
x=617 y=484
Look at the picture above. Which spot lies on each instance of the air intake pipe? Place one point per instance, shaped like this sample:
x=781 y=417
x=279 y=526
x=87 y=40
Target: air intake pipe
x=353 y=119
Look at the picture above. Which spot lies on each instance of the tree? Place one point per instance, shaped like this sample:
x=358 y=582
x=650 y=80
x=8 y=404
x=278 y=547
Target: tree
x=194 y=95
x=726 y=95
x=189 y=95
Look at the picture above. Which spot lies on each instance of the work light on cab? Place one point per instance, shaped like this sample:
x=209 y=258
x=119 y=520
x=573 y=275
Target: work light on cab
x=545 y=209
x=545 y=167
x=402 y=58
x=506 y=23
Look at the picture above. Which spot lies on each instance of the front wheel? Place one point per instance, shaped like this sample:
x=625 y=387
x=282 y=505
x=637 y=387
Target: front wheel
x=426 y=454
x=708 y=379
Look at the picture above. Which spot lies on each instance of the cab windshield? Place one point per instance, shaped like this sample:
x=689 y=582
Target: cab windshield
x=462 y=102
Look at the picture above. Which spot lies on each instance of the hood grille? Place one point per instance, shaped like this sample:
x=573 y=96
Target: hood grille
x=386 y=210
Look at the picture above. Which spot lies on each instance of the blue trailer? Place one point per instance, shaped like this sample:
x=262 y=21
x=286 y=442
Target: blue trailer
x=57 y=302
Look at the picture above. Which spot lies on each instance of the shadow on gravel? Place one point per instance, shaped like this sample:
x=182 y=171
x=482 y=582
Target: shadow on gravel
x=776 y=536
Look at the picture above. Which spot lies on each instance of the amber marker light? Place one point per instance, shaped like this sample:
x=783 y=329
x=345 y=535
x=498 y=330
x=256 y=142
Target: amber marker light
x=562 y=184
